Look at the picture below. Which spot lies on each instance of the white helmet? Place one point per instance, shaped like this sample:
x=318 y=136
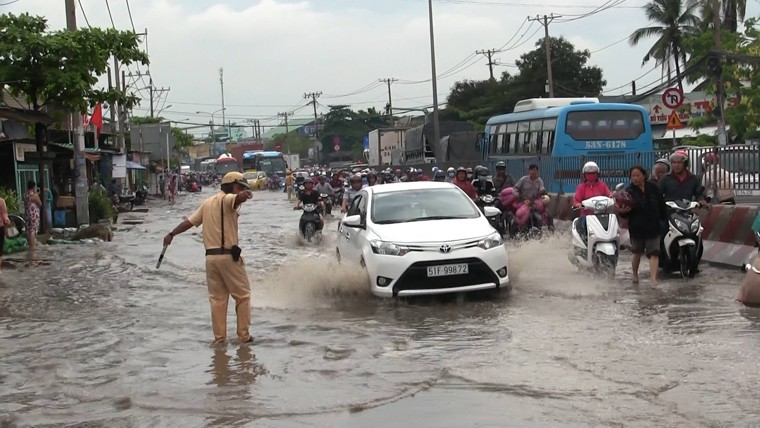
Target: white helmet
x=590 y=167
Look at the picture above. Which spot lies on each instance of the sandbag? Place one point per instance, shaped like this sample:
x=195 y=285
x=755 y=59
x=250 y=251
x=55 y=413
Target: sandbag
x=749 y=294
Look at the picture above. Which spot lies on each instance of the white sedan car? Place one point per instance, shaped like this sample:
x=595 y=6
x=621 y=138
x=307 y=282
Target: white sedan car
x=422 y=238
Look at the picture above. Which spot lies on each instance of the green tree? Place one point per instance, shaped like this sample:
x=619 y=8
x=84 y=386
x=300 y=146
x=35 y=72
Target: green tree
x=572 y=77
x=348 y=127
x=670 y=22
x=477 y=101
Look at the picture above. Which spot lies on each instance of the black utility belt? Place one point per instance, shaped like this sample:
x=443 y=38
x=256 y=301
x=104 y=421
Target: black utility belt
x=235 y=251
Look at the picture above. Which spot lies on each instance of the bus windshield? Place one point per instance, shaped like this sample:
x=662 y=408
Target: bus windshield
x=594 y=125
x=271 y=165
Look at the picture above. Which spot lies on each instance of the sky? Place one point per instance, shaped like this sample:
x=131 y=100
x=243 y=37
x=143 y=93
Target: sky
x=275 y=51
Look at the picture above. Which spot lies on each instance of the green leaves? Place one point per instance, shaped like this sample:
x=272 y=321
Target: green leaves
x=62 y=67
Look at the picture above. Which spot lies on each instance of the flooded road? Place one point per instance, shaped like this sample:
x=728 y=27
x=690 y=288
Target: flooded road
x=100 y=338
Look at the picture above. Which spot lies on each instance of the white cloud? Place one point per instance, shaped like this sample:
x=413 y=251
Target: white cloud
x=273 y=51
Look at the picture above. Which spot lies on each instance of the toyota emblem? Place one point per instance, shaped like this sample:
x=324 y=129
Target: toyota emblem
x=445 y=248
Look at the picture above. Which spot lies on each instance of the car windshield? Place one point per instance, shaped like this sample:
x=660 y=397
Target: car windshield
x=421 y=205
x=249 y=175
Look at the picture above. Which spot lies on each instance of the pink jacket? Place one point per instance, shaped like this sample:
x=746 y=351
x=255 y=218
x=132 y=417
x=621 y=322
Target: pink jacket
x=588 y=190
x=3 y=213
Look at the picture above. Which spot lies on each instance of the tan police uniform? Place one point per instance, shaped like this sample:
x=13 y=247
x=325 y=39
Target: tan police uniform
x=224 y=276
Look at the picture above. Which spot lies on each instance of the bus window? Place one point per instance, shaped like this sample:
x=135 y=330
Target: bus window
x=548 y=142
x=535 y=136
x=500 y=143
x=598 y=124
x=492 y=144
x=550 y=124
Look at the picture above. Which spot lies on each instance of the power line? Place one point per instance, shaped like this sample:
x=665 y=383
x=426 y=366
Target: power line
x=129 y=11
x=84 y=14
x=108 y=6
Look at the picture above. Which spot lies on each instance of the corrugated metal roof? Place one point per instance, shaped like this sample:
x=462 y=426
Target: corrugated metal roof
x=293 y=124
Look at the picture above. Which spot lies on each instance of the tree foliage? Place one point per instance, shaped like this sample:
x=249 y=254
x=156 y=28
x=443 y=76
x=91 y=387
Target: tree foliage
x=476 y=101
x=63 y=67
x=347 y=128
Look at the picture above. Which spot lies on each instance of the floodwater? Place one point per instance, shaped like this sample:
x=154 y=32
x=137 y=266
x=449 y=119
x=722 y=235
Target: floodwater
x=100 y=338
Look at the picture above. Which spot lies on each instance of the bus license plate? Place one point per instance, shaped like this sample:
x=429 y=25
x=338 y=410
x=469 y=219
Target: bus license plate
x=446 y=270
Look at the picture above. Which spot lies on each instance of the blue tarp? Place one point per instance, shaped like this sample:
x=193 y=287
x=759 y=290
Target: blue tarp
x=134 y=165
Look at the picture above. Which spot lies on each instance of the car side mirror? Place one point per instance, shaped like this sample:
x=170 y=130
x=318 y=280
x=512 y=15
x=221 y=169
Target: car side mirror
x=354 y=221
x=491 y=211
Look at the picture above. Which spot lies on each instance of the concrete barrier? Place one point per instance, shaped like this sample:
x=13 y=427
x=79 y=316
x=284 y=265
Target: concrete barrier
x=728 y=237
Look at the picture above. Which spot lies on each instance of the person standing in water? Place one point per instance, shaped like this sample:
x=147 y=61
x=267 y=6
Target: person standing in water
x=644 y=216
x=32 y=204
x=225 y=269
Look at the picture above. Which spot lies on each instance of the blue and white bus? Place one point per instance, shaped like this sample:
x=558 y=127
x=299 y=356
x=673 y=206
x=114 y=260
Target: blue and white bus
x=560 y=134
x=267 y=161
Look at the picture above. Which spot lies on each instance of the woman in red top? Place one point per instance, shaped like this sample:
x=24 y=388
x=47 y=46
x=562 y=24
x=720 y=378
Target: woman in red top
x=591 y=186
x=465 y=184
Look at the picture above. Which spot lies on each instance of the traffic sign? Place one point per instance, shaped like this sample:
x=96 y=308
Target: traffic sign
x=337 y=147
x=672 y=98
x=674 y=122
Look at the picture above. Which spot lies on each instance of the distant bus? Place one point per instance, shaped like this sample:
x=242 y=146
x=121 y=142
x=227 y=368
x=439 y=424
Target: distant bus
x=560 y=133
x=225 y=164
x=267 y=161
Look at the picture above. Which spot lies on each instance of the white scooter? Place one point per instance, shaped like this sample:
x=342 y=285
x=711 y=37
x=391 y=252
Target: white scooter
x=598 y=247
x=683 y=241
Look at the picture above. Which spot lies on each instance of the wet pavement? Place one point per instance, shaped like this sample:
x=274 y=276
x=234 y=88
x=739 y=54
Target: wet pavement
x=100 y=338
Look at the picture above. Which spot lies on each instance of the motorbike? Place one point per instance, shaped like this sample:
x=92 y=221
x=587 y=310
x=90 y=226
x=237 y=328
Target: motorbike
x=596 y=248
x=123 y=203
x=496 y=219
x=273 y=183
x=337 y=198
x=328 y=203
x=683 y=240
x=140 y=195
x=309 y=223
x=193 y=187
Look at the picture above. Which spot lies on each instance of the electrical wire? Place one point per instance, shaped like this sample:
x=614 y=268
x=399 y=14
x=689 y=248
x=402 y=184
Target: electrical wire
x=129 y=12
x=84 y=14
x=9 y=3
x=609 y=4
x=108 y=6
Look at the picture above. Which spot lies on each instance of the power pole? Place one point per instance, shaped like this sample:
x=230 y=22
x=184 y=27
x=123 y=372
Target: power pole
x=720 y=95
x=545 y=21
x=81 y=192
x=221 y=85
x=314 y=96
x=489 y=54
x=153 y=91
x=436 y=122
x=287 y=131
x=389 y=81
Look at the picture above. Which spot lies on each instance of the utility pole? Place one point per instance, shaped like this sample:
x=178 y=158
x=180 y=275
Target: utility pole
x=389 y=81
x=81 y=192
x=153 y=91
x=436 y=122
x=314 y=96
x=720 y=95
x=548 y=45
x=221 y=85
x=633 y=88
x=287 y=131
x=489 y=54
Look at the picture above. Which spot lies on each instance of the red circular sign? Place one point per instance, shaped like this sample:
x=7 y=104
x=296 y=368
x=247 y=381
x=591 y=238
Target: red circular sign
x=672 y=98
x=336 y=148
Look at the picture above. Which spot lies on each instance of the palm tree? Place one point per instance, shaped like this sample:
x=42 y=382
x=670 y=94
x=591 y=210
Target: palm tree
x=671 y=21
x=732 y=11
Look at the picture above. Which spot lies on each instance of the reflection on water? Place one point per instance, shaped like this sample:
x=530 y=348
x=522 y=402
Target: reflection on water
x=106 y=340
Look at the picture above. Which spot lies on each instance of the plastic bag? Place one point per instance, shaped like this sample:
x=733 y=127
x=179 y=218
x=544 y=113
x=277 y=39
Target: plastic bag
x=11 y=231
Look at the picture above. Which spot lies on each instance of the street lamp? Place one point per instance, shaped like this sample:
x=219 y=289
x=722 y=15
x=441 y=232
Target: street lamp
x=211 y=124
x=436 y=124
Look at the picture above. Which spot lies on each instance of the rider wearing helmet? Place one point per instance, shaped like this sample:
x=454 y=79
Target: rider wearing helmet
x=482 y=184
x=502 y=179
x=465 y=184
x=451 y=174
x=469 y=173
x=310 y=195
x=439 y=176
x=371 y=178
x=590 y=187
x=717 y=182
x=681 y=183
x=350 y=193
x=659 y=169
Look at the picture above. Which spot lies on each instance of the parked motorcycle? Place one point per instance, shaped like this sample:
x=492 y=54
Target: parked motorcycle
x=683 y=240
x=309 y=223
x=123 y=203
x=597 y=246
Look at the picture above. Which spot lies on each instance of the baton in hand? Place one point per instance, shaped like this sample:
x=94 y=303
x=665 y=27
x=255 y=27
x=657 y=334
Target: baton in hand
x=161 y=257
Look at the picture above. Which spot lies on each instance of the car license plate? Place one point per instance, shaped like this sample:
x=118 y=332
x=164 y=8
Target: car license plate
x=446 y=270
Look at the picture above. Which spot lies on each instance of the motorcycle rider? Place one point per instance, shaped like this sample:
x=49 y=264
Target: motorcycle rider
x=312 y=196
x=465 y=184
x=681 y=183
x=350 y=193
x=591 y=186
x=469 y=173
x=439 y=176
x=530 y=190
x=451 y=174
x=336 y=182
x=502 y=179
x=371 y=178
x=660 y=168
x=717 y=182
x=482 y=184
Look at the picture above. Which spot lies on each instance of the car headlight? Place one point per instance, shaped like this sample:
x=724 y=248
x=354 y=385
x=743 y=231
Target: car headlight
x=388 y=248
x=682 y=225
x=491 y=241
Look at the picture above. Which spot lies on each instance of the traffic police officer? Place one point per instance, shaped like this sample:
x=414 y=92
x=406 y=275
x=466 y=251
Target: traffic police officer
x=225 y=270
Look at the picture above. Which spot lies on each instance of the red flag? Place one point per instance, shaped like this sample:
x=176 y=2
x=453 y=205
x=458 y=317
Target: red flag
x=97 y=119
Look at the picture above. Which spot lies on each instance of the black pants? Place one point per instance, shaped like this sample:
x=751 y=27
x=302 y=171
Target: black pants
x=2 y=239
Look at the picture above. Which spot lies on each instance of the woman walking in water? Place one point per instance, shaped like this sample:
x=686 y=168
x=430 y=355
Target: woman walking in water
x=4 y=221
x=644 y=215
x=32 y=204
